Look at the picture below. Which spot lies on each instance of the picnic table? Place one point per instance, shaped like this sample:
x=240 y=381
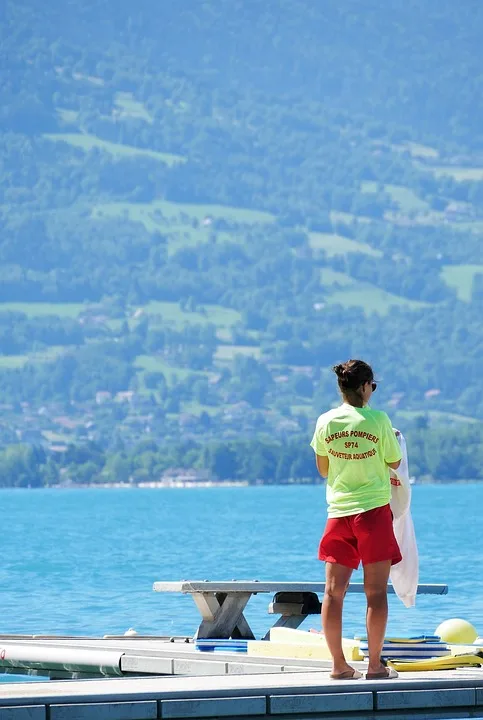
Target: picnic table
x=222 y=603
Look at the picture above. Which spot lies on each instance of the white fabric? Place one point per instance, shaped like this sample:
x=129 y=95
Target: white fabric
x=405 y=575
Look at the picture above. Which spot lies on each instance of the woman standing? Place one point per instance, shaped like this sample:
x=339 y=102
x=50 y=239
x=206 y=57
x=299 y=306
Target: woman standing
x=355 y=447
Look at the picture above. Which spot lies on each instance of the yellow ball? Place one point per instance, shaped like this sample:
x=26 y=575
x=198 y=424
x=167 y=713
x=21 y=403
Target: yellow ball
x=456 y=630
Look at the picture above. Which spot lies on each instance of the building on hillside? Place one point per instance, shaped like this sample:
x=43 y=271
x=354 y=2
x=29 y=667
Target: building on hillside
x=185 y=475
x=455 y=211
x=395 y=399
x=125 y=396
x=287 y=426
x=65 y=422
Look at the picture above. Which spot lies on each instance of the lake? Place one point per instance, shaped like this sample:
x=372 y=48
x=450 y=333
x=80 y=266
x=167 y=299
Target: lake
x=82 y=562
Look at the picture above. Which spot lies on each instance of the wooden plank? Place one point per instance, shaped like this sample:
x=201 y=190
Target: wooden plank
x=207 y=604
x=229 y=620
x=255 y=586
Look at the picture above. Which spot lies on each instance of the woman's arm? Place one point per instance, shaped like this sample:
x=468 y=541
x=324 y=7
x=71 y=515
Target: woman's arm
x=322 y=462
x=392 y=449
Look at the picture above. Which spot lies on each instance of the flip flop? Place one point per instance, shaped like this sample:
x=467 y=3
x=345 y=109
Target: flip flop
x=386 y=674
x=347 y=675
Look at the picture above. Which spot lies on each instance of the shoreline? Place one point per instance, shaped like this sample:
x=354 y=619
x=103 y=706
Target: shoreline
x=190 y=484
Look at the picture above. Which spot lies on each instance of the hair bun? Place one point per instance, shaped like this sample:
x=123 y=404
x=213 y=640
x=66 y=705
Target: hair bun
x=340 y=370
x=352 y=374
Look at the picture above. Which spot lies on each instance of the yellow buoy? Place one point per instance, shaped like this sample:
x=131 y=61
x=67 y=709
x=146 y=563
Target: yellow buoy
x=456 y=630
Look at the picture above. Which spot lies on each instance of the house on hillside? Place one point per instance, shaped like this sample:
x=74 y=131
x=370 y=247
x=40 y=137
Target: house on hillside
x=125 y=396
x=287 y=426
x=182 y=475
x=279 y=379
x=459 y=211
x=66 y=423
x=237 y=410
x=395 y=399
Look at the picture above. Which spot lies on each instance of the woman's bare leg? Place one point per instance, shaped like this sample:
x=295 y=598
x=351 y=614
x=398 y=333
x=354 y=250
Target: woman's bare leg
x=376 y=576
x=336 y=581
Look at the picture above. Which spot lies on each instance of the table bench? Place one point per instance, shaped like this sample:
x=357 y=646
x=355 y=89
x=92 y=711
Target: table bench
x=221 y=604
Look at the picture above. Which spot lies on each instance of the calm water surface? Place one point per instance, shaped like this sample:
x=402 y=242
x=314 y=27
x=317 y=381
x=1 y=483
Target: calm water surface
x=83 y=561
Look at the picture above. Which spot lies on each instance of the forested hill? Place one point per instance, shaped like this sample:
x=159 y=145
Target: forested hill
x=405 y=62
x=203 y=205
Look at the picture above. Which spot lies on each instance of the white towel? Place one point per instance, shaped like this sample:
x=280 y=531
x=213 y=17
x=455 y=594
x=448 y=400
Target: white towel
x=405 y=575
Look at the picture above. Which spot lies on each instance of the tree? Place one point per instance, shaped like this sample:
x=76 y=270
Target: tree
x=220 y=459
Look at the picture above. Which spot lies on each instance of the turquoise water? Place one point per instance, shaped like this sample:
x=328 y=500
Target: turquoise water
x=83 y=562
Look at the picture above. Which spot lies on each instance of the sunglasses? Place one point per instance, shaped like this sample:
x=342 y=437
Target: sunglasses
x=374 y=387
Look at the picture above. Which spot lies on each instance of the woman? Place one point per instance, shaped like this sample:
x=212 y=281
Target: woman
x=355 y=447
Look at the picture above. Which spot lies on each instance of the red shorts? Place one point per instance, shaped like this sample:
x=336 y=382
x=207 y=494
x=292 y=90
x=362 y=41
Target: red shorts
x=367 y=537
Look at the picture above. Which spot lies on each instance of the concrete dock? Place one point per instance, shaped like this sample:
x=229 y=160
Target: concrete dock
x=150 y=678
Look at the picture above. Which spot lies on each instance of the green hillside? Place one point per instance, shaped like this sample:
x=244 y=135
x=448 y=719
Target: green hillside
x=193 y=229
x=87 y=142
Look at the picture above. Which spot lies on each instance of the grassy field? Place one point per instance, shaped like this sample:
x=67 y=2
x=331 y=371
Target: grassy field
x=364 y=295
x=195 y=408
x=347 y=218
x=338 y=245
x=424 y=151
x=407 y=199
x=68 y=116
x=457 y=173
x=372 y=299
x=473 y=227
x=88 y=142
x=162 y=213
x=8 y=362
x=17 y=361
x=150 y=363
x=415 y=150
x=170 y=313
x=178 y=231
x=127 y=105
x=226 y=353
x=183 y=225
x=460 y=277
x=71 y=310
x=436 y=417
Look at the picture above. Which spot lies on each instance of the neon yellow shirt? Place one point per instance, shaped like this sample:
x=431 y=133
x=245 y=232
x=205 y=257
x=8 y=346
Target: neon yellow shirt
x=359 y=442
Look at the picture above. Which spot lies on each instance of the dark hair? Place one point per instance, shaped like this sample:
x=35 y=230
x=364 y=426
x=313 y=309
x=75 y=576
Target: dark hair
x=350 y=376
